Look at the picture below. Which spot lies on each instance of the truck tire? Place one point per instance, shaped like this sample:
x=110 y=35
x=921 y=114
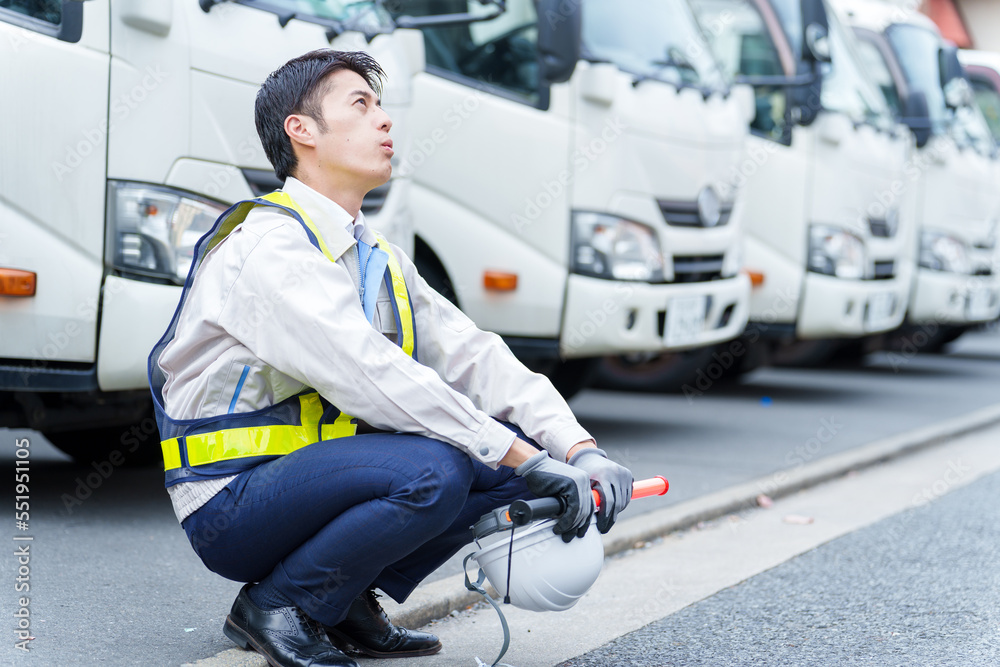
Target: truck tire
x=571 y=376
x=667 y=372
x=807 y=353
x=430 y=269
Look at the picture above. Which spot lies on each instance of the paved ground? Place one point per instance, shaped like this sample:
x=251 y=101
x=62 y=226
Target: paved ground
x=920 y=588
x=115 y=565
x=834 y=570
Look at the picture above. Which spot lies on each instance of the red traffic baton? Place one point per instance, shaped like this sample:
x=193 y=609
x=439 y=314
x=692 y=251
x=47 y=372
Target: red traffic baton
x=654 y=486
x=522 y=512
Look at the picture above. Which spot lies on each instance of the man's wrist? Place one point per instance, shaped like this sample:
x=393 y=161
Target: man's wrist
x=578 y=446
x=518 y=453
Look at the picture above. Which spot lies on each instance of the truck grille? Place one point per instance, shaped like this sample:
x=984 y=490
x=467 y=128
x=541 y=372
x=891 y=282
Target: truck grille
x=685 y=213
x=884 y=270
x=697 y=268
x=880 y=228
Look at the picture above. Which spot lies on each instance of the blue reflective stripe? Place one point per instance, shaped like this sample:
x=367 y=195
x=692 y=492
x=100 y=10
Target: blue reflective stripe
x=239 y=388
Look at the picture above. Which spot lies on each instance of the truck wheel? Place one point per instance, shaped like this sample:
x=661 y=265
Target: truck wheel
x=430 y=269
x=913 y=338
x=807 y=353
x=96 y=445
x=668 y=372
x=571 y=376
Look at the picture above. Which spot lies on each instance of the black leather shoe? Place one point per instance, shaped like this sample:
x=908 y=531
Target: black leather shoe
x=285 y=636
x=369 y=630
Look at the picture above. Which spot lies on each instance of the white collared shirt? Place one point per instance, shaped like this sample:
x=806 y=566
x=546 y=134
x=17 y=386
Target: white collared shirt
x=271 y=315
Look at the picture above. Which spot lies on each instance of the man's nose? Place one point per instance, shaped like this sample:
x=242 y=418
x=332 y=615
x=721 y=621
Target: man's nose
x=384 y=122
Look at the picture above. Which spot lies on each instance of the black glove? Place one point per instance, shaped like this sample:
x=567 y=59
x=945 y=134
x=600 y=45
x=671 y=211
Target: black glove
x=547 y=477
x=612 y=481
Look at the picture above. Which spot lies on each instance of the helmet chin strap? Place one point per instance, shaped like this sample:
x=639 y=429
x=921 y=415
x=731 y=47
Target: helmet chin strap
x=477 y=586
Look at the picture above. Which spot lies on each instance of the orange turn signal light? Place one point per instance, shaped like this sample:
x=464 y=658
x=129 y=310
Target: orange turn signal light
x=756 y=278
x=500 y=281
x=15 y=282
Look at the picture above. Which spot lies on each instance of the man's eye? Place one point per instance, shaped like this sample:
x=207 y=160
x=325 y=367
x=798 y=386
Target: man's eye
x=362 y=100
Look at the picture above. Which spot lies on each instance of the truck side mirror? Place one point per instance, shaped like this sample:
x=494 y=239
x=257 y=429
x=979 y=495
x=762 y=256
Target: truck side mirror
x=559 y=39
x=957 y=90
x=815 y=32
x=917 y=116
x=951 y=66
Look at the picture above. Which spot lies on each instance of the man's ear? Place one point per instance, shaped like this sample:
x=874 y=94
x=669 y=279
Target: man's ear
x=301 y=129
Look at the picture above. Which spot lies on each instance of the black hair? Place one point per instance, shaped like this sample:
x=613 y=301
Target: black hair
x=298 y=87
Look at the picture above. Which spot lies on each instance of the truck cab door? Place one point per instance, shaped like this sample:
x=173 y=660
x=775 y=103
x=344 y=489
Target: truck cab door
x=54 y=64
x=489 y=144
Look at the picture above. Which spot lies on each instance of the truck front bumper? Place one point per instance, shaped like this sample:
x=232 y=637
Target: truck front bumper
x=951 y=298
x=836 y=308
x=605 y=317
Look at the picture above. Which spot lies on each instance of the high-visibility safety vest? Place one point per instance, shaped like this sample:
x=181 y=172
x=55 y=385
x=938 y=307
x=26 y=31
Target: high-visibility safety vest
x=224 y=445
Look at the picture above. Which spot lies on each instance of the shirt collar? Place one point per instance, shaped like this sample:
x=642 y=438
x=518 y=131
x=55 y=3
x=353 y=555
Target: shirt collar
x=338 y=229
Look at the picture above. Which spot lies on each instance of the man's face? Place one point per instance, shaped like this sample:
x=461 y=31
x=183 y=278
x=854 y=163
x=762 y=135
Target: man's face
x=355 y=148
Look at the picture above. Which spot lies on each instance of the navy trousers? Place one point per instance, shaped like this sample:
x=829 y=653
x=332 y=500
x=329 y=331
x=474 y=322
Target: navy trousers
x=332 y=519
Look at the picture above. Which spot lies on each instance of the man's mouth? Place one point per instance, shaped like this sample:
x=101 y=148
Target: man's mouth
x=387 y=144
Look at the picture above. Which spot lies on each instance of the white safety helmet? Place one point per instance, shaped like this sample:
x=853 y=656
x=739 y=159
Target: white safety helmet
x=545 y=573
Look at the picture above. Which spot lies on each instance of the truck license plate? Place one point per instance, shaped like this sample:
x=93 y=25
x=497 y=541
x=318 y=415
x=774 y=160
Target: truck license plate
x=880 y=311
x=685 y=320
x=980 y=303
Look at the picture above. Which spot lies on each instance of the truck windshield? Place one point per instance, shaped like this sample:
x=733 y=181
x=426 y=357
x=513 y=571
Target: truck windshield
x=846 y=86
x=657 y=40
x=366 y=16
x=918 y=52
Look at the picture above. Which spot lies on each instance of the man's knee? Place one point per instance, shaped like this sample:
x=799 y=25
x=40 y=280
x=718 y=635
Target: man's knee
x=443 y=483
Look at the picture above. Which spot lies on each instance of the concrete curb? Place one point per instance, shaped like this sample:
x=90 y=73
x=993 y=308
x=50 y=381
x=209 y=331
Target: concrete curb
x=438 y=599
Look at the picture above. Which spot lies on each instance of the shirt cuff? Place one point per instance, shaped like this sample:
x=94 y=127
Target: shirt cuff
x=492 y=443
x=559 y=444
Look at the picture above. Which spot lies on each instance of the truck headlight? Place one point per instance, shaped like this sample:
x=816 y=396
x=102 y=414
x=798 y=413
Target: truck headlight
x=940 y=252
x=606 y=246
x=152 y=230
x=836 y=252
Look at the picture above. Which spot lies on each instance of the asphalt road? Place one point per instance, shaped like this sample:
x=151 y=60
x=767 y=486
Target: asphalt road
x=114 y=582
x=919 y=588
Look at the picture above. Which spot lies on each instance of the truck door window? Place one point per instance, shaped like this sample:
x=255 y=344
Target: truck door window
x=988 y=99
x=502 y=52
x=659 y=40
x=49 y=11
x=743 y=46
x=366 y=15
x=970 y=129
x=878 y=71
x=846 y=86
x=62 y=19
x=917 y=51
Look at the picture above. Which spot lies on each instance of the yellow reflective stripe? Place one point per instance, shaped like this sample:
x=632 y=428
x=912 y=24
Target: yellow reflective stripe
x=310 y=409
x=341 y=427
x=235 y=218
x=171 y=454
x=281 y=198
x=238 y=443
x=402 y=297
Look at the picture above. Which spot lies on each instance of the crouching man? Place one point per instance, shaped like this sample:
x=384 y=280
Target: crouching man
x=329 y=423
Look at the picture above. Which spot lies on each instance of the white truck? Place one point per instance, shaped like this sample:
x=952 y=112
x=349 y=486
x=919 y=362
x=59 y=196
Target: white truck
x=579 y=203
x=127 y=127
x=953 y=177
x=827 y=244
